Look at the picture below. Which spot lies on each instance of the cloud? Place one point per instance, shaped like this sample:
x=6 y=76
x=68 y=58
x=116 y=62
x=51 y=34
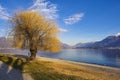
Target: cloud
x=3 y=13
x=74 y=18
x=63 y=30
x=46 y=8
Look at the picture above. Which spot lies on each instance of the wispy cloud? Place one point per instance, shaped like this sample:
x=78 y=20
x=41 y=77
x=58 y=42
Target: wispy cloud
x=63 y=30
x=46 y=8
x=3 y=13
x=74 y=18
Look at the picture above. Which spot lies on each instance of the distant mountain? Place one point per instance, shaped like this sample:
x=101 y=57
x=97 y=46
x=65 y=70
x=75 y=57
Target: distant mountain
x=83 y=44
x=66 y=46
x=7 y=43
x=110 y=41
x=3 y=42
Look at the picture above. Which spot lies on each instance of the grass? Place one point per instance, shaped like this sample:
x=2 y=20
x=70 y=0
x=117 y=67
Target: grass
x=45 y=69
x=39 y=70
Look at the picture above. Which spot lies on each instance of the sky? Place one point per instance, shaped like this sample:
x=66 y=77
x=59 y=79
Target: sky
x=79 y=20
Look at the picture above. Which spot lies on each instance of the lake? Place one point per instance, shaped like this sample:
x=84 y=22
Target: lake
x=106 y=57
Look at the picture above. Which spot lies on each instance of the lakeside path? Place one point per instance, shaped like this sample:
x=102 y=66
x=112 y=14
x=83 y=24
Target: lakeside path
x=9 y=73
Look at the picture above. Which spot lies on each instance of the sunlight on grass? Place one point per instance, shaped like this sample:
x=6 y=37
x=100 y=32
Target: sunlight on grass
x=45 y=69
x=39 y=70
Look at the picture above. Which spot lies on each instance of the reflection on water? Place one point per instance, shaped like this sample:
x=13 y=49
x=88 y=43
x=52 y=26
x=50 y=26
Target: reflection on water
x=94 y=56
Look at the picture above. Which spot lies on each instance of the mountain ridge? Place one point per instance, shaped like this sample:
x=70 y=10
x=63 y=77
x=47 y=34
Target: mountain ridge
x=108 y=42
x=112 y=41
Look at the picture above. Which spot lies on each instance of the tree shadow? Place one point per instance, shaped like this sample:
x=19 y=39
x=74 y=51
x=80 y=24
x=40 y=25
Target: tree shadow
x=9 y=73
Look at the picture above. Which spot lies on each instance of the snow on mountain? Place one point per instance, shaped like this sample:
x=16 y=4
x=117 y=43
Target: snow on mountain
x=118 y=34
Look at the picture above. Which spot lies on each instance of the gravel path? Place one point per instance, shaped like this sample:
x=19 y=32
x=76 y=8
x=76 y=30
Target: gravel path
x=9 y=73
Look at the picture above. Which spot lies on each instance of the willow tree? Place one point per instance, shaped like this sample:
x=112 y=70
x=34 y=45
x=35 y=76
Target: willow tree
x=32 y=31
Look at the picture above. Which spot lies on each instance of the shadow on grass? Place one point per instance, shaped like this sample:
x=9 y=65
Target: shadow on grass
x=39 y=70
x=16 y=61
x=8 y=73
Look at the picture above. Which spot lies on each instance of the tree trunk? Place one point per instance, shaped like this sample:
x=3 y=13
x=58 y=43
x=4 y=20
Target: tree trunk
x=33 y=48
x=33 y=53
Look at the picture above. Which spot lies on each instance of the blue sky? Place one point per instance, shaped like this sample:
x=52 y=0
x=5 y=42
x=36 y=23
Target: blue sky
x=79 y=20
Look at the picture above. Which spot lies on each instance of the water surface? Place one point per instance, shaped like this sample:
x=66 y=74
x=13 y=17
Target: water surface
x=104 y=57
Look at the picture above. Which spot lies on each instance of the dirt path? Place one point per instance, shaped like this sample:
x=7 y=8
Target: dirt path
x=9 y=73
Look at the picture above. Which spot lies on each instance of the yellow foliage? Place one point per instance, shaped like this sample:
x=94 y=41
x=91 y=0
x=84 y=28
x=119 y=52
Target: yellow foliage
x=32 y=30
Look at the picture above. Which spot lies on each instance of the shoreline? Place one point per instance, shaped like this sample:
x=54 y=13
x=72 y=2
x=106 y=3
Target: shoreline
x=88 y=69
x=77 y=63
x=63 y=69
x=68 y=61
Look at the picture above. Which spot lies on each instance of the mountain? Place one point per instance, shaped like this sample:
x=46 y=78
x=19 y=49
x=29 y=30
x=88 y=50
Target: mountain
x=5 y=42
x=110 y=41
x=66 y=46
x=83 y=44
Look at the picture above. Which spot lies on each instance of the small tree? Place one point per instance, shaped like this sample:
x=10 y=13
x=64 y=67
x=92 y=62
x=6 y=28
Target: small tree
x=32 y=31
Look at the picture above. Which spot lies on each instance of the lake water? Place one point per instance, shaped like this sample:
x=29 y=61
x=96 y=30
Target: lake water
x=104 y=57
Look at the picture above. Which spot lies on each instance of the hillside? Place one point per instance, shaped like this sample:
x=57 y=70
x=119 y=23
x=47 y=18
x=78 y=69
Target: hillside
x=112 y=41
x=109 y=42
x=5 y=42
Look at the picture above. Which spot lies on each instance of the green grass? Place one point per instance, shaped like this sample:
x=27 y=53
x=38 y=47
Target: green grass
x=39 y=70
